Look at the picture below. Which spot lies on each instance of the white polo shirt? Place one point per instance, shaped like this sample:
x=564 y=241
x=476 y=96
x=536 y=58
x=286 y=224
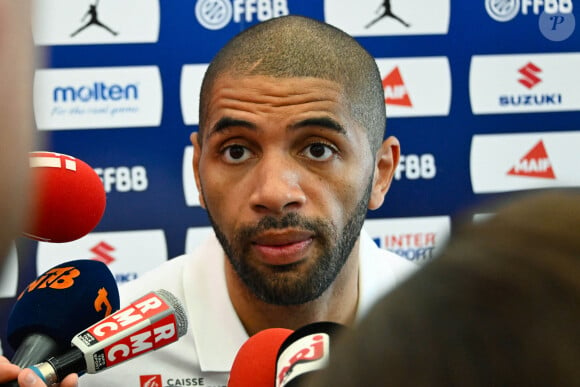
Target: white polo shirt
x=204 y=356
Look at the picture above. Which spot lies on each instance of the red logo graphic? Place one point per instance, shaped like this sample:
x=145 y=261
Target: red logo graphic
x=395 y=89
x=102 y=251
x=534 y=164
x=150 y=381
x=530 y=78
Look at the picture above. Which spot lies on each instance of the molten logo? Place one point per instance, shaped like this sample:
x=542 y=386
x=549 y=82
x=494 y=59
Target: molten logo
x=530 y=79
x=102 y=250
x=150 y=381
x=534 y=164
x=395 y=89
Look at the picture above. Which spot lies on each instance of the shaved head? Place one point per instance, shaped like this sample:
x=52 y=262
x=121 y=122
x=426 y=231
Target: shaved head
x=295 y=46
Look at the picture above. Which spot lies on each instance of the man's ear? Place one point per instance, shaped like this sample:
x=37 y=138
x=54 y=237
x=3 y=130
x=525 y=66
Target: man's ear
x=386 y=162
x=194 y=137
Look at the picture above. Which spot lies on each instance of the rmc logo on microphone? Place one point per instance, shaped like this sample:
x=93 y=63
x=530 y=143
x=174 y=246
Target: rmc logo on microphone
x=144 y=325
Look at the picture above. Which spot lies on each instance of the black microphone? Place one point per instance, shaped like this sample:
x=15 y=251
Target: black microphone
x=305 y=352
x=56 y=305
x=153 y=321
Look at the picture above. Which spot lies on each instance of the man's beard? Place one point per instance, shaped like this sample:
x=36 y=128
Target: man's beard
x=280 y=286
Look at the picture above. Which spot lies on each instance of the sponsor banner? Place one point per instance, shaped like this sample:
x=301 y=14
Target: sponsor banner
x=524 y=83
x=218 y=14
x=68 y=22
x=98 y=97
x=191 y=78
x=128 y=254
x=513 y=162
x=196 y=236
x=189 y=188
x=416 y=86
x=384 y=17
x=9 y=274
x=417 y=239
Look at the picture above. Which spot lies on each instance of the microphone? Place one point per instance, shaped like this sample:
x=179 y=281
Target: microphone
x=254 y=364
x=153 y=321
x=68 y=200
x=56 y=305
x=305 y=352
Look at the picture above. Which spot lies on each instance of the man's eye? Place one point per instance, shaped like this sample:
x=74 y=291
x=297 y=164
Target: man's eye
x=236 y=154
x=319 y=151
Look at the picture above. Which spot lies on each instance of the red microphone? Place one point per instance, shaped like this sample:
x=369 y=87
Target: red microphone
x=68 y=199
x=255 y=362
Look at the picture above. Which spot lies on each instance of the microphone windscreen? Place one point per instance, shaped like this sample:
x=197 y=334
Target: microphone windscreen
x=63 y=301
x=304 y=352
x=68 y=198
x=255 y=362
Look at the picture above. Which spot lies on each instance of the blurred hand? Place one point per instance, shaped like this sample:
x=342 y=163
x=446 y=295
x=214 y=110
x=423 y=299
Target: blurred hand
x=27 y=377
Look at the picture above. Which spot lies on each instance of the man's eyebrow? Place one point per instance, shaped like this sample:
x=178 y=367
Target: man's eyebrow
x=324 y=122
x=228 y=122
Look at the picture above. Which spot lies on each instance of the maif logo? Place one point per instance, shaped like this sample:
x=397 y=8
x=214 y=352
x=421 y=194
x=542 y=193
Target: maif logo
x=217 y=14
x=395 y=89
x=535 y=163
x=97 y=97
x=522 y=161
x=417 y=239
x=524 y=83
x=128 y=254
x=416 y=87
x=389 y=17
x=68 y=22
x=529 y=75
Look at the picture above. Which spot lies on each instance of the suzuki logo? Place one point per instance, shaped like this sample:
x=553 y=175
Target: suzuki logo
x=102 y=251
x=530 y=78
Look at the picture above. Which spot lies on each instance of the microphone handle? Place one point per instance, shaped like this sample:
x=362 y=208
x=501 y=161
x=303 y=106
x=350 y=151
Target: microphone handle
x=33 y=349
x=55 y=369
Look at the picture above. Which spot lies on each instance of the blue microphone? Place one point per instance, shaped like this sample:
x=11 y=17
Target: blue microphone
x=58 y=304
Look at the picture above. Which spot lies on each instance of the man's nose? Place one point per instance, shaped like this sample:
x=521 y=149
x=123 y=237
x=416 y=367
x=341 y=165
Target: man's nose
x=277 y=185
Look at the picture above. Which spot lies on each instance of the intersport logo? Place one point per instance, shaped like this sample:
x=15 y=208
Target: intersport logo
x=524 y=83
x=70 y=22
x=102 y=97
x=128 y=254
x=417 y=239
x=389 y=17
x=409 y=85
x=522 y=161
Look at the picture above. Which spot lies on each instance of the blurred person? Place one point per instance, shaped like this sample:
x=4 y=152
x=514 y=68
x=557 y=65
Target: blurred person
x=16 y=139
x=289 y=157
x=499 y=307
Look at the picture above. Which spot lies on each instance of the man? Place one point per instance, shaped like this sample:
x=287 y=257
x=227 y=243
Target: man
x=288 y=158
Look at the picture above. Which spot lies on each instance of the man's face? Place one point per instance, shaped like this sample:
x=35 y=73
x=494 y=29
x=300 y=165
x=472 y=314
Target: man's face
x=285 y=175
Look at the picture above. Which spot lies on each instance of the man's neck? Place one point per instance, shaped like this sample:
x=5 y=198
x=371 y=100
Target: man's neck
x=337 y=304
